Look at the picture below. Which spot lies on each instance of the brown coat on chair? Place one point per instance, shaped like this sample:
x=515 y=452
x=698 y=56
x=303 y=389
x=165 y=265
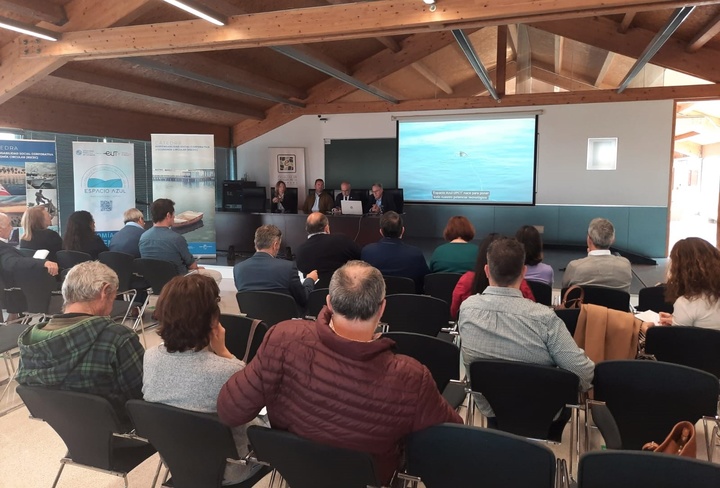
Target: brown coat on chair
x=607 y=334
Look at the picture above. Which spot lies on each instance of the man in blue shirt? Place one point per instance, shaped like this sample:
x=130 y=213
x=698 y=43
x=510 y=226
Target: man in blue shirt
x=127 y=239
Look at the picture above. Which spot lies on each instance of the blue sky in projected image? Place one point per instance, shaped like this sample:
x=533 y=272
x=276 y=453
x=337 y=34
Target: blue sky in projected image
x=495 y=155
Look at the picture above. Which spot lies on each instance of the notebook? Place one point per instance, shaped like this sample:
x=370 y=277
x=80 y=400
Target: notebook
x=351 y=207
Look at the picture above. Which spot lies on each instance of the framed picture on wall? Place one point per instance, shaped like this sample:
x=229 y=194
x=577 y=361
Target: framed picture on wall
x=286 y=163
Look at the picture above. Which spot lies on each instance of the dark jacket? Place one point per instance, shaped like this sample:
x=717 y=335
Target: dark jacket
x=388 y=203
x=395 y=258
x=262 y=272
x=127 y=240
x=325 y=253
x=11 y=261
x=348 y=394
x=44 y=239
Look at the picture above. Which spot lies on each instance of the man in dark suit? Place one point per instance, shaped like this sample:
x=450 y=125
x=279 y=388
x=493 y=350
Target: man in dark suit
x=344 y=194
x=323 y=251
x=393 y=257
x=379 y=201
x=127 y=239
x=262 y=272
x=319 y=201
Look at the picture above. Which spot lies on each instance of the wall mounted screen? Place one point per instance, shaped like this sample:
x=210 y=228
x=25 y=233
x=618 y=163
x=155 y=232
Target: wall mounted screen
x=486 y=161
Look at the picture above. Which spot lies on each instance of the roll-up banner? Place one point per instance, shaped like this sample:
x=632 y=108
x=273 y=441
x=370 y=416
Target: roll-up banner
x=104 y=183
x=28 y=177
x=184 y=171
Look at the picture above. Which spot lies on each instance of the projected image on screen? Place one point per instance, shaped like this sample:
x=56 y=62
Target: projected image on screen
x=467 y=161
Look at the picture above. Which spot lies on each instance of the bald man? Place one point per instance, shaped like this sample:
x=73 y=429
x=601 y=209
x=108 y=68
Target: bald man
x=323 y=251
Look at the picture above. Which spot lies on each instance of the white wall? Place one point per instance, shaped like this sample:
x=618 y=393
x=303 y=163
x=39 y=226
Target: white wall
x=643 y=129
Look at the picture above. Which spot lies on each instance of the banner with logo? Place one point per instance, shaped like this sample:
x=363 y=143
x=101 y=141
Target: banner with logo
x=184 y=172
x=288 y=164
x=28 y=177
x=104 y=183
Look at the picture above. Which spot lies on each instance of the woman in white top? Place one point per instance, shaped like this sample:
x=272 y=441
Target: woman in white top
x=693 y=284
x=192 y=364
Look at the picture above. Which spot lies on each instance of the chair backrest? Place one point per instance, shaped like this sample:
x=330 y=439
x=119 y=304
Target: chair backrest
x=307 y=464
x=193 y=445
x=440 y=357
x=690 y=346
x=155 y=271
x=653 y=298
x=524 y=397
x=268 y=306
x=68 y=259
x=570 y=317
x=398 y=284
x=441 y=285
x=458 y=455
x=623 y=469
x=237 y=330
x=316 y=301
x=607 y=297
x=122 y=264
x=84 y=422
x=542 y=292
x=647 y=398
x=421 y=314
x=37 y=286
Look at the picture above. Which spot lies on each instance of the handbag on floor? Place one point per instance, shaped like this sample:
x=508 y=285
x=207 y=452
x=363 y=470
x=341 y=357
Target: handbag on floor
x=680 y=442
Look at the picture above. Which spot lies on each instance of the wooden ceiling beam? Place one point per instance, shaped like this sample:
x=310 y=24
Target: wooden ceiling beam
x=158 y=92
x=327 y=23
x=601 y=33
x=432 y=77
x=609 y=58
x=555 y=79
x=559 y=47
x=686 y=135
x=317 y=55
x=501 y=60
x=36 y=10
x=710 y=30
x=389 y=43
x=626 y=22
x=688 y=148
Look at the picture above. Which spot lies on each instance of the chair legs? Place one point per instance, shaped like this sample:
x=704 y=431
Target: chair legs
x=57 y=476
x=562 y=479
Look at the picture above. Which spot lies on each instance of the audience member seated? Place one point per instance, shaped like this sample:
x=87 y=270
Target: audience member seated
x=163 y=243
x=36 y=235
x=282 y=201
x=501 y=324
x=693 y=284
x=262 y=272
x=191 y=365
x=12 y=261
x=80 y=235
x=127 y=239
x=318 y=201
x=458 y=255
x=335 y=382
x=530 y=238
x=393 y=257
x=82 y=349
x=476 y=281
x=380 y=202
x=600 y=267
x=323 y=251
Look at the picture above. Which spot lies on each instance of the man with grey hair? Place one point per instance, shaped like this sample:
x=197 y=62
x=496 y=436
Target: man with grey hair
x=335 y=382
x=82 y=349
x=127 y=239
x=600 y=267
x=262 y=272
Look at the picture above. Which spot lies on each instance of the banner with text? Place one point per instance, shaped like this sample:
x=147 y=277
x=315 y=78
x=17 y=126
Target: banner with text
x=104 y=183
x=28 y=177
x=184 y=171
x=287 y=164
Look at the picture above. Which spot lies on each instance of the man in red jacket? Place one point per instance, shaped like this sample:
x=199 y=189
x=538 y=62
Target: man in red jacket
x=334 y=382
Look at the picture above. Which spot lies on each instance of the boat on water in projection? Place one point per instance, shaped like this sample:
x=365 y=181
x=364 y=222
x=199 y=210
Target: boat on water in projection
x=187 y=218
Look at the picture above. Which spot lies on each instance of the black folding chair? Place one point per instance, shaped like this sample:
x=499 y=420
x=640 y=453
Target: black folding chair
x=268 y=306
x=9 y=335
x=542 y=292
x=122 y=263
x=452 y=455
x=237 y=333
x=68 y=259
x=89 y=427
x=647 y=398
x=695 y=347
x=570 y=317
x=526 y=400
x=607 y=297
x=653 y=298
x=441 y=285
x=398 y=284
x=421 y=314
x=157 y=273
x=307 y=464
x=33 y=294
x=623 y=469
x=316 y=301
x=193 y=445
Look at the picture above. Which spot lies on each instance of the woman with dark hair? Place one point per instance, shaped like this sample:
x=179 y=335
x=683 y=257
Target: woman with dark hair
x=36 y=235
x=693 y=284
x=536 y=270
x=80 y=235
x=476 y=281
x=457 y=255
x=188 y=369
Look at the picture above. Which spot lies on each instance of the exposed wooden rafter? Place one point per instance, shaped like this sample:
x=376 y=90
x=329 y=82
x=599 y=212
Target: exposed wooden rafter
x=559 y=48
x=36 y=10
x=710 y=30
x=626 y=22
x=501 y=60
x=549 y=76
x=432 y=77
x=609 y=58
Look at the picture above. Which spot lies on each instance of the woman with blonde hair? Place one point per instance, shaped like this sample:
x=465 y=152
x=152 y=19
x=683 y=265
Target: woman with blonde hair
x=693 y=284
x=36 y=235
